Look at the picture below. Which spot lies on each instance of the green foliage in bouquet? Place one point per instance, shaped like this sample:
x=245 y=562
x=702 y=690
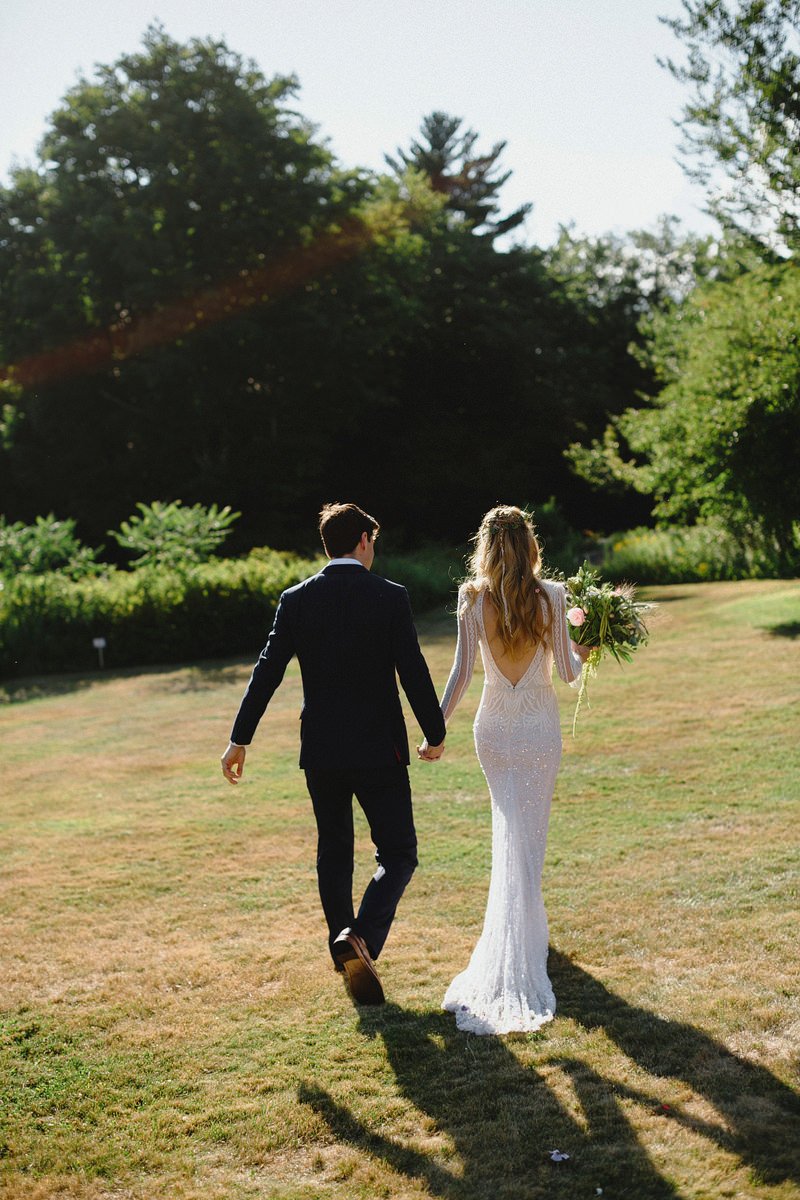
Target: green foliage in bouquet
x=609 y=619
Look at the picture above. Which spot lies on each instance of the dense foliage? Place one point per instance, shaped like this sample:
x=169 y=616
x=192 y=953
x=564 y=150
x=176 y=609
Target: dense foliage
x=48 y=622
x=681 y=554
x=46 y=545
x=740 y=124
x=172 y=535
x=720 y=441
x=184 y=613
x=197 y=301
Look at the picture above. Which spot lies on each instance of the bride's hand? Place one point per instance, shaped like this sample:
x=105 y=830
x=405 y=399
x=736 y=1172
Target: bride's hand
x=582 y=651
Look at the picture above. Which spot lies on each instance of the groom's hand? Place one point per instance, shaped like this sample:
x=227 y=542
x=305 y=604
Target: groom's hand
x=233 y=763
x=430 y=753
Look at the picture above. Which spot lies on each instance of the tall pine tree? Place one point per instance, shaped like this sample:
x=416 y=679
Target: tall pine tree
x=455 y=168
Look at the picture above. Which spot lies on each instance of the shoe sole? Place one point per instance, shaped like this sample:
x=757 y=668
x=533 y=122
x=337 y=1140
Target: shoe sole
x=365 y=987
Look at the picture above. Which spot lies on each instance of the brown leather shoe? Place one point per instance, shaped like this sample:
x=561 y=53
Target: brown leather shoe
x=351 y=953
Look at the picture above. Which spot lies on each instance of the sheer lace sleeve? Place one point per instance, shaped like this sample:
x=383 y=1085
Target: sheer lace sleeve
x=464 y=661
x=567 y=662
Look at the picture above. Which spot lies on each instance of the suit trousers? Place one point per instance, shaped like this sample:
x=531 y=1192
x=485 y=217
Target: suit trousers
x=384 y=794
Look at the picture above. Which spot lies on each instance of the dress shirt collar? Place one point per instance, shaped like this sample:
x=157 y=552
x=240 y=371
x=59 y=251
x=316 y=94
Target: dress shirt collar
x=343 y=562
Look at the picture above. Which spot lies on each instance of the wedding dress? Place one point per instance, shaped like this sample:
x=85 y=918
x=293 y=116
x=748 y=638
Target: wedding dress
x=517 y=730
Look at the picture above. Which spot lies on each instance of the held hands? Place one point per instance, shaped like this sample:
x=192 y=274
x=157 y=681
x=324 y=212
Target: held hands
x=233 y=763
x=430 y=753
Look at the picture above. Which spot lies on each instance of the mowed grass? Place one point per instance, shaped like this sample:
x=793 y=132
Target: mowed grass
x=171 y=1026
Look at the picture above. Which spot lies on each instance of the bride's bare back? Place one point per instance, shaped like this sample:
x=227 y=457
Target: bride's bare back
x=512 y=668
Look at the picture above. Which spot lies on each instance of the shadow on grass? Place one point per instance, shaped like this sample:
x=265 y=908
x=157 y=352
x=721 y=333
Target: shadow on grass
x=192 y=677
x=759 y=1113
x=787 y=629
x=40 y=687
x=500 y=1119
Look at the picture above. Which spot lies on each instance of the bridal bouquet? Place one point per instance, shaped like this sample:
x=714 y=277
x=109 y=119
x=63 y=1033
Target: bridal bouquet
x=609 y=619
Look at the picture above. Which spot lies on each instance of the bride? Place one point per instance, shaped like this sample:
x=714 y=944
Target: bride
x=519 y=620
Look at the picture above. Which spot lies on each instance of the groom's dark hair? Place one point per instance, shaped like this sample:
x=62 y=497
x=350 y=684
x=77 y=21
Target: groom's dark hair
x=341 y=527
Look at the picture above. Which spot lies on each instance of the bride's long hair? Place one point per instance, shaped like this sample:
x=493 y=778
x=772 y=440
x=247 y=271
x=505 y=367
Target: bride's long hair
x=506 y=563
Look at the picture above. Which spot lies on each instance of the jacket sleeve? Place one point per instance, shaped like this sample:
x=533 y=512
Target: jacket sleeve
x=415 y=676
x=267 y=674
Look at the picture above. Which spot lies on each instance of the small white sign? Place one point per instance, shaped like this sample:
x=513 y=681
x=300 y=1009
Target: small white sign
x=99 y=643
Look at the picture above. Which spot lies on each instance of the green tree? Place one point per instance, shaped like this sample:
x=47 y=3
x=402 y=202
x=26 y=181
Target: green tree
x=469 y=179
x=170 y=169
x=639 y=272
x=177 y=198
x=197 y=301
x=741 y=123
x=721 y=439
x=619 y=284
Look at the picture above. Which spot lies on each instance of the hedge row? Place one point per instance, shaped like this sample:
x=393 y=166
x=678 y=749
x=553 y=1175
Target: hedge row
x=224 y=607
x=47 y=622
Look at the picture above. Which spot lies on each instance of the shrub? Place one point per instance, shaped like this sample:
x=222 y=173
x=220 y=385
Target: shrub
x=225 y=607
x=153 y=615
x=47 y=545
x=684 y=554
x=172 y=536
x=431 y=575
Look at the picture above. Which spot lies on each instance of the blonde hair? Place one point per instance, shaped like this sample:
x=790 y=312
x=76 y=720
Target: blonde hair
x=505 y=563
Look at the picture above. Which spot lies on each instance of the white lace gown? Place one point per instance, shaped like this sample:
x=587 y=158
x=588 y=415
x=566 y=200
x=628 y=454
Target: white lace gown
x=505 y=988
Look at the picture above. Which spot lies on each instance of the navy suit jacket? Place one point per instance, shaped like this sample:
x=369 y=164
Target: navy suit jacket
x=351 y=631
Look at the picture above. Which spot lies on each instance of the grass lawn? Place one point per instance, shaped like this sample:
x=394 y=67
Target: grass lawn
x=170 y=1026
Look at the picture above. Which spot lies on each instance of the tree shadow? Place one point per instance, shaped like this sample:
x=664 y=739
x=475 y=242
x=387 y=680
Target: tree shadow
x=664 y=597
x=786 y=629
x=42 y=687
x=192 y=677
x=759 y=1113
x=494 y=1121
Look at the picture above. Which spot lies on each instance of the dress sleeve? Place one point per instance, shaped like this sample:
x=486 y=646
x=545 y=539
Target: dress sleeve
x=568 y=664
x=464 y=661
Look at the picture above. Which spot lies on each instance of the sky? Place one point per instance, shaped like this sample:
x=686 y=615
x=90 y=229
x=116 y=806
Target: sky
x=573 y=86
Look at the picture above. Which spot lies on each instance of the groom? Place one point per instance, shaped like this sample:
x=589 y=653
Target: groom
x=350 y=631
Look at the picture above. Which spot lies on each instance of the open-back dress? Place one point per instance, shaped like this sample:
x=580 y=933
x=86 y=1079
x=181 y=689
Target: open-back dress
x=505 y=987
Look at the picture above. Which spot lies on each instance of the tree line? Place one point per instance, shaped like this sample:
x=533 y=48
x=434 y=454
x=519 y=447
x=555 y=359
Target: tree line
x=198 y=302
